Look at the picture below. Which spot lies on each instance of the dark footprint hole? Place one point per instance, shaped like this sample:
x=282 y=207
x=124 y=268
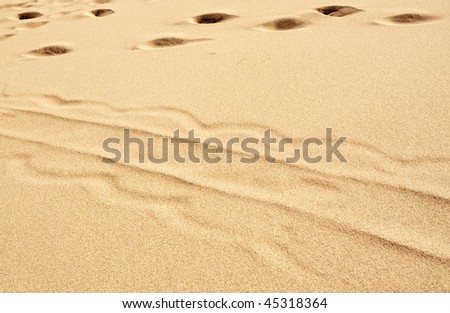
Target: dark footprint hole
x=102 y=12
x=212 y=18
x=28 y=15
x=51 y=50
x=410 y=18
x=168 y=42
x=337 y=10
x=285 y=24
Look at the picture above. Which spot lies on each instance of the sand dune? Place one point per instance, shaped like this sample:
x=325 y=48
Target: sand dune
x=74 y=73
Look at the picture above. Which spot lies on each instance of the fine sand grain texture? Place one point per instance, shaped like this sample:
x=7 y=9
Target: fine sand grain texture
x=74 y=73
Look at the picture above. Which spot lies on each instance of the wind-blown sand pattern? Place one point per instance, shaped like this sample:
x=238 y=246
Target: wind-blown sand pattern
x=376 y=74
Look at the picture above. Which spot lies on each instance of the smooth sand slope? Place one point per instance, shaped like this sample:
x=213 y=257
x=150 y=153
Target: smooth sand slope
x=73 y=73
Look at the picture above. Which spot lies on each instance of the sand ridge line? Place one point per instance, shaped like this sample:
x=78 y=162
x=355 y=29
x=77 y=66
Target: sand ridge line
x=322 y=220
x=220 y=188
x=145 y=132
x=184 y=120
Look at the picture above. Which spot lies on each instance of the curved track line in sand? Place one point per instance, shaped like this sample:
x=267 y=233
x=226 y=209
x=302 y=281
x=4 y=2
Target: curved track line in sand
x=175 y=218
x=301 y=195
x=217 y=188
x=317 y=181
x=305 y=181
x=192 y=122
x=181 y=119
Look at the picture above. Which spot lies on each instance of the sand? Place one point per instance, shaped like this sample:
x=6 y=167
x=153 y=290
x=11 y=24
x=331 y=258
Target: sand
x=73 y=73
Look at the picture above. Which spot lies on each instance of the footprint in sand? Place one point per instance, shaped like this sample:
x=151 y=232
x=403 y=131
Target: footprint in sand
x=287 y=23
x=212 y=18
x=52 y=50
x=410 y=18
x=28 y=15
x=338 y=10
x=165 y=42
x=406 y=19
x=102 y=12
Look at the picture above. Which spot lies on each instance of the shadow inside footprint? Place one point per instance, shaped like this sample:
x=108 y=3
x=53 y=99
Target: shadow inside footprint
x=51 y=51
x=168 y=42
x=212 y=18
x=284 y=24
x=410 y=18
x=165 y=42
x=29 y=15
x=337 y=10
x=102 y=12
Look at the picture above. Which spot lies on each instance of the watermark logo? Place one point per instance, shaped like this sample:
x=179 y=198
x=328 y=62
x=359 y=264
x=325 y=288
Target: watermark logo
x=214 y=150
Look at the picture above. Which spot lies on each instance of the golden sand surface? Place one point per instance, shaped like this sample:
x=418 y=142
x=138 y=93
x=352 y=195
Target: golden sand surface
x=73 y=73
